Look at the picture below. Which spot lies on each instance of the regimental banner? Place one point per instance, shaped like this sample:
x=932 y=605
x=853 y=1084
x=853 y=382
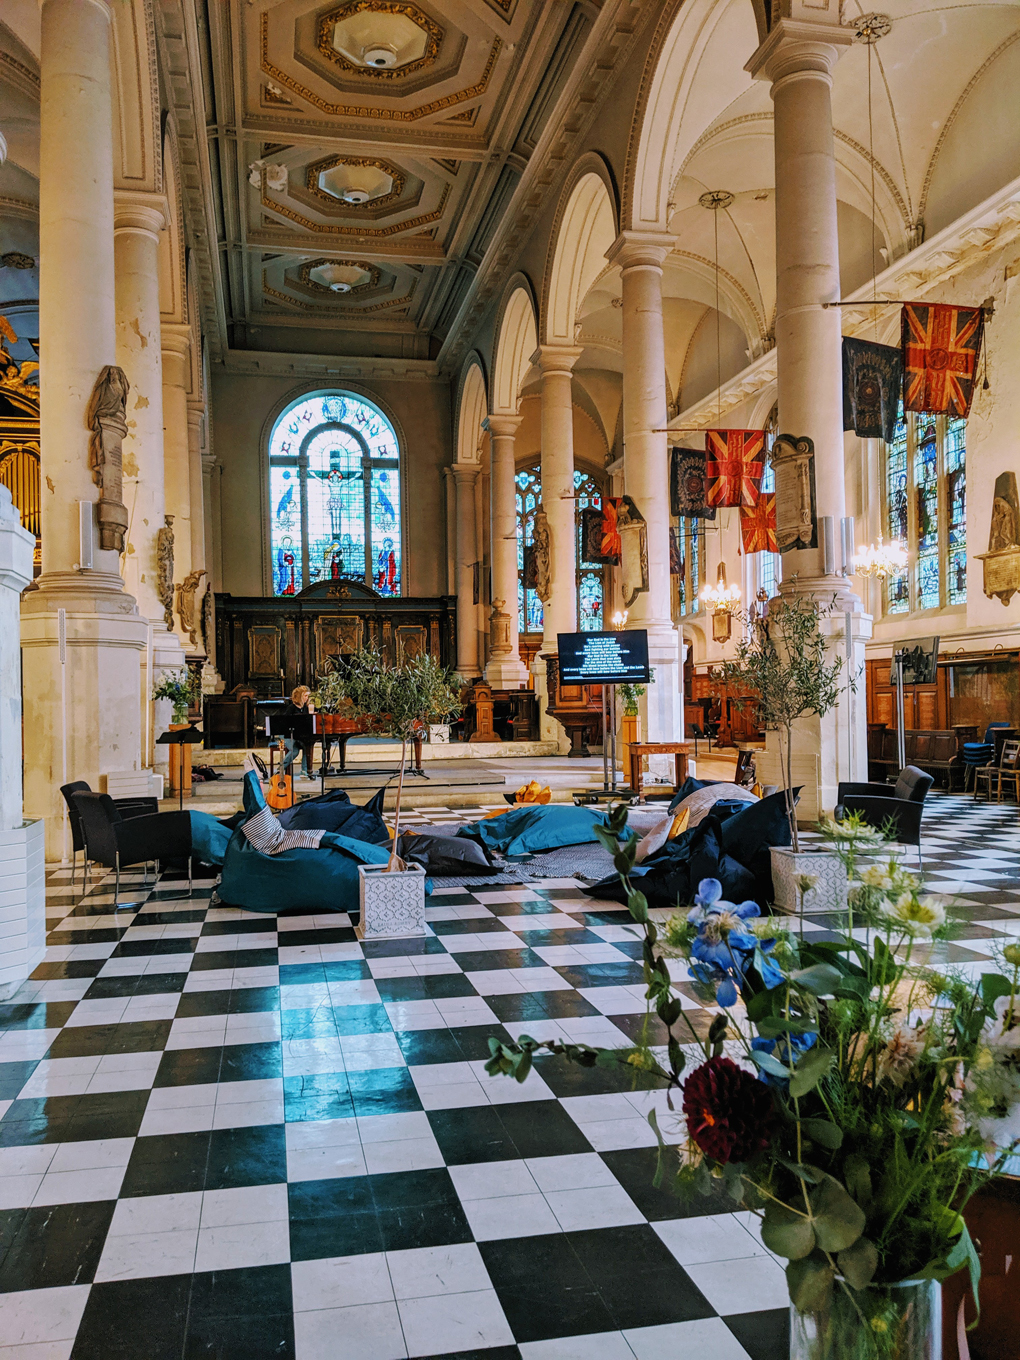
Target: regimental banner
x=735 y=461
x=940 y=346
x=611 y=546
x=594 y=537
x=688 y=489
x=758 y=525
x=872 y=379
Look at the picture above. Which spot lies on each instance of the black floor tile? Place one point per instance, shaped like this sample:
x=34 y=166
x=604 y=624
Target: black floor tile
x=140 y=949
x=13 y=1076
x=763 y=1335
x=70 y=968
x=602 y=974
x=386 y=1090
x=542 y=1128
x=333 y=1217
x=635 y=1169
x=427 y=988
x=149 y=984
x=251 y=1062
x=317 y=1023
x=238 y=1001
x=189 y=1067
x=540 y=1005
x=234 y=958
x=36 y=1014
x=170 y=918
x=323 y=1095
x=240 y=1293
x=85 y=936
x=638 y=1278
x=420 y=1046
x=388 y=949
x=567 y=1078
x=73 y=1119
x=256 y=1336
x=120 y=1321
x=324 y=935
x=253 y=1156
x=544 y=1289
x=486 y=960
x=56 y=1245
x=494 y=1353
x=497 y=1133
x=258 y=927
x=648 y=1031
x=476 y=925
x=167 y=1164
x=86 y=1041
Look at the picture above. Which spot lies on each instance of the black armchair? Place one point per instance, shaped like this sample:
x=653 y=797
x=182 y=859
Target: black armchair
x=900 y=805
x=117 y=842
x=127 y=807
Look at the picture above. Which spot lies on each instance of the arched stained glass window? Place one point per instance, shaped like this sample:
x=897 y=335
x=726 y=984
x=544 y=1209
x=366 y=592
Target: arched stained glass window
x=334 y=493
x=590 y=575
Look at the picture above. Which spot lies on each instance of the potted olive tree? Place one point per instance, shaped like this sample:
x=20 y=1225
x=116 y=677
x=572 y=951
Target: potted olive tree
x=782 y=665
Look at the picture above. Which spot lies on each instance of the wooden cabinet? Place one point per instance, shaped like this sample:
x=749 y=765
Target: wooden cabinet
x=721 y=703
x=973 y=688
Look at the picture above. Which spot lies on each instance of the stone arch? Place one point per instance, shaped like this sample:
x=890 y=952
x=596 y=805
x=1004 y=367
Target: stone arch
x=472 y=408
x=585 y=229
x=516 y=342
x=675 y=105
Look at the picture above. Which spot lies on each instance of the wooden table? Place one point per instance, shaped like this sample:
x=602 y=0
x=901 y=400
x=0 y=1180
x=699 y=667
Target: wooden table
x=678 y=749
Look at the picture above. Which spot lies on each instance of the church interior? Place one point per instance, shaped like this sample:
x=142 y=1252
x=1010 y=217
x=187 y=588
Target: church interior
x=364 y=364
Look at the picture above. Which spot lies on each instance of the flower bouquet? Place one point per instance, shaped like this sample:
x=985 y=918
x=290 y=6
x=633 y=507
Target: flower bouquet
x=849 y=1095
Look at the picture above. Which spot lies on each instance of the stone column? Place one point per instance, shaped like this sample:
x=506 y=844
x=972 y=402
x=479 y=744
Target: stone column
x=22 y=863
x=798 y=58
x=465 y=475
x=559 y=614
x=137 y=222
x=95 y=728
x=505 y=669
x=176 y=345
x=640 y=256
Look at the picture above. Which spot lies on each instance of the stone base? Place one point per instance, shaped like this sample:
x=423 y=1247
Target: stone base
x=22 y=904
x=506 y=672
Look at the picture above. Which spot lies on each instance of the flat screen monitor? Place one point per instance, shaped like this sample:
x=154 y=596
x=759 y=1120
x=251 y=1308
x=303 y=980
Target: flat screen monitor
x=920 y=661
x=604 y=658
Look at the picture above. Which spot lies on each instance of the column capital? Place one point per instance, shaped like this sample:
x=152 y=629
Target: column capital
x=557 y=358
x=799 y=48
x=465 y=473
x=502 y=424
x=640 y=249
x=140 y=212
x=175 y=339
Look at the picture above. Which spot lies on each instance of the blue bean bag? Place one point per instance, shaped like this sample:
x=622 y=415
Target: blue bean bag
x=336 y=812
x=209 y=837
x=322 y=879
x=530 y=829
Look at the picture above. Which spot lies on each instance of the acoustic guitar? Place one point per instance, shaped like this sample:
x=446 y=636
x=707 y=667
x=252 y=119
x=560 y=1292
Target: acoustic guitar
x=280 y=793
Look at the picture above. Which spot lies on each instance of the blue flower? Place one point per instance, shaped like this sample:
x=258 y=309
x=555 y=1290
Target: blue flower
x=786 y=1050
x=722 y=951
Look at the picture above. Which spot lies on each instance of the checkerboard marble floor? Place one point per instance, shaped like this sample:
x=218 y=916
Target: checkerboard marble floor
x=240 y=1136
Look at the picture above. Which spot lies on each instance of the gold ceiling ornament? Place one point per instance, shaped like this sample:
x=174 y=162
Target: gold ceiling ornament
x=389 y=115
x=340 y=276
x=360 y=189
x=383 y=39
x=329 y=229
x=870 y=28
x=341 y=306
x=717 y=199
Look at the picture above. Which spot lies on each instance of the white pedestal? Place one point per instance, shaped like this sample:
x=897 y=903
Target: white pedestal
x=22 y=904
x=392 y=905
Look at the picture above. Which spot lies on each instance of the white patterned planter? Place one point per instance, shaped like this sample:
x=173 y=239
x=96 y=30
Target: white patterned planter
x=828 y=871
x=391 y=904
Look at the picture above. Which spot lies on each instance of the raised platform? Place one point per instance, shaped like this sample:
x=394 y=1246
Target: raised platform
x=376 y=751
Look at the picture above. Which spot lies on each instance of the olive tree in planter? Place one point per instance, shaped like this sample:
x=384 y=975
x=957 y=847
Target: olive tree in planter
x=782 y=664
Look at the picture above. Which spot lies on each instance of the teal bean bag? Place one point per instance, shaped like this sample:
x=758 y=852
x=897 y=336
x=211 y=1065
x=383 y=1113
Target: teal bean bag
x=209 y=837
x=322 y=879
x=531 y=829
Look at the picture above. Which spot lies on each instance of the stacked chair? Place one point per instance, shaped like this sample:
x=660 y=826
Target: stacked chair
x=118 y=842
x=126 y=807
x=983 y=758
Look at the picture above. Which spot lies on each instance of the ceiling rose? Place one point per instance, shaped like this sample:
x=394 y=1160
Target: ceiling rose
x=339 y=276
x=379 y=37
x=354 y=180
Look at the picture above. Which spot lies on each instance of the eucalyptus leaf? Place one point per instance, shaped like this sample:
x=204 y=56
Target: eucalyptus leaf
x=857 y=1175
x=821 y=979
x=810 y=1284
x=769 y=1064
x=822 y=1131
x=637 y=905
x=839 y=1220
x=787 y=1233
x=859 y=1263
x=810 y=1070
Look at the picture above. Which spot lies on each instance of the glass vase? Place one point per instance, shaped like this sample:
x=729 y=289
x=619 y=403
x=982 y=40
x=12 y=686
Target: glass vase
x=886 y=1322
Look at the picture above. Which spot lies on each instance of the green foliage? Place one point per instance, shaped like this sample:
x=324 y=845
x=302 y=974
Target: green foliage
x=630 y=694
x=180 y=687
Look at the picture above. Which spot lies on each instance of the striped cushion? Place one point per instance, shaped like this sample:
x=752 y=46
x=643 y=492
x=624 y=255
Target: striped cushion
x=266 y=834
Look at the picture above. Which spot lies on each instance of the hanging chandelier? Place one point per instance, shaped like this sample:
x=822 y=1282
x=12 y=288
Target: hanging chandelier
x=720 y=598
x=881 y=560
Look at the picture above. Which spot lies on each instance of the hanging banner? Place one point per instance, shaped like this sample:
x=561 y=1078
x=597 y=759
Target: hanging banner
x=758 y=525
x=610 y=547
x=630 y=537
x=593 y=538
x=735 y=461
x=941 y=345
x=872 y=379
x=688 y=488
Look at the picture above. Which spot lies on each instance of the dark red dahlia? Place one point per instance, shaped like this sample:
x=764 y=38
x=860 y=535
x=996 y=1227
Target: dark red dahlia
x=729 y=1112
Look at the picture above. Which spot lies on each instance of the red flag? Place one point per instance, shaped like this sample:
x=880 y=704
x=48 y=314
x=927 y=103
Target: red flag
x=940 y=353
x=758 y=525
x=734 y=466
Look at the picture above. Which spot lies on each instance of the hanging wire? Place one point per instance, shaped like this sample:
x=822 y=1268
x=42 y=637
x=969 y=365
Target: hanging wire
x=874 y=229
x=718 y=323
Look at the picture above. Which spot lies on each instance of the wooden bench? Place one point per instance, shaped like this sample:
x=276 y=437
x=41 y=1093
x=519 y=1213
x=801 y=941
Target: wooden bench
x=934 y=752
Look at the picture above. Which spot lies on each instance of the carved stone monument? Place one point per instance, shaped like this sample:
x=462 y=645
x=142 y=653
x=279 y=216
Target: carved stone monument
x=106 y=419
x=499 y=630
x=541 y=547
x=793 y=458
x=165 y=570
x=186 y=604
x=1001 y=563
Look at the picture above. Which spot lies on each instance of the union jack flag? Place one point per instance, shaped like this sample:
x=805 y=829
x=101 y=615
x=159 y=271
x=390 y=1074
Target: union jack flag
x=758 y=525
x=941 y=345
x=734 y=466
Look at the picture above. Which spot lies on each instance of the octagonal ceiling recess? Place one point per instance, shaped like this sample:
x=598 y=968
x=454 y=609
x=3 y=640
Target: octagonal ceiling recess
x=340 y=276
x=353 y=183
x=379 y=37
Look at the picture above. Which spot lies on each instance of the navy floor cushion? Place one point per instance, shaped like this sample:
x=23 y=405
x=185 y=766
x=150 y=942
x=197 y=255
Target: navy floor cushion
x=209 y=837
x=529 y=830
x=333 y=813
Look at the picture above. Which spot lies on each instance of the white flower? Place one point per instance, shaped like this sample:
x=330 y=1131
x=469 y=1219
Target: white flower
x=1004 y=1030
x=899 y=1056
x=918 y=915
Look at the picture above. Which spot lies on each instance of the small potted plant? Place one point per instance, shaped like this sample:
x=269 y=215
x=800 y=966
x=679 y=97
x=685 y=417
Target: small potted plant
x=782 y=665
x=180 y=688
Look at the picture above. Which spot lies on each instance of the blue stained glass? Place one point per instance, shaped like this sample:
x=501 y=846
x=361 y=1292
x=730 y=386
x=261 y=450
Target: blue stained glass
x=333 y=464
x=897 y=520
x=590 y=578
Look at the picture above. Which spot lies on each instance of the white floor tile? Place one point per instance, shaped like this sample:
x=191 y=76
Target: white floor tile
x=745 y=1286
x=369 y=1331
x=594 y=1346
x=243 y=1244
x=454 y=1322
x=707 y=1338
x=36 y=1317
x=339 y=1282
x=510 y=1216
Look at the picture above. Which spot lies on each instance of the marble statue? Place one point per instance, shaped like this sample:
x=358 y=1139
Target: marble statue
x=186 y=590
x=165 y=570
x=541 y=547
x=106 y=419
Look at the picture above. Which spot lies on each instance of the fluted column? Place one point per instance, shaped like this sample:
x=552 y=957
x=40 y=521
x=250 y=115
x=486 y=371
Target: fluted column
x=640 y=256
x=465 y=475
x=176 y=346
x=798 y=58
x=559 y=614
x=81 y=633
x=505 y=670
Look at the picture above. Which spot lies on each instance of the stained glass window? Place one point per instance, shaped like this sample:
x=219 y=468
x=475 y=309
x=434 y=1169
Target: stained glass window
x=769 y=568
x=691 y=543
x=590 y=575
x=334 y=490
x=926 y=511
